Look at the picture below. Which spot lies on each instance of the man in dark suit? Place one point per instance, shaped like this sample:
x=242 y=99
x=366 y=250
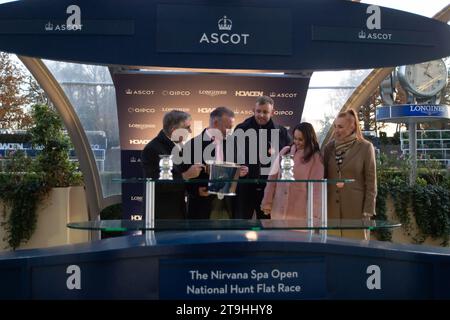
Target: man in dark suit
x=170 y=198
x=254 y=141
x=210 y=145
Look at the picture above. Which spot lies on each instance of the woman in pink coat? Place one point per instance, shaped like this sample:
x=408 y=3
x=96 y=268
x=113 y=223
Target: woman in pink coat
x=288 y=200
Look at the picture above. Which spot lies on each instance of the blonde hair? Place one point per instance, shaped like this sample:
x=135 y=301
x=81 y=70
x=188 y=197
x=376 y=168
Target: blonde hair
x=353 y=116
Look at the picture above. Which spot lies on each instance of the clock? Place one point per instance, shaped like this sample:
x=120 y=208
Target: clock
x=425 y=79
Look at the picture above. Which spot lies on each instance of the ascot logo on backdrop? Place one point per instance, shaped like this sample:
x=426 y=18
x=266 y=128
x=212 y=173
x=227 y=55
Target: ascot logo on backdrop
x=73 y=22
x=373 y=22
x=283 y=95
x=225 y=24
x=140 y=92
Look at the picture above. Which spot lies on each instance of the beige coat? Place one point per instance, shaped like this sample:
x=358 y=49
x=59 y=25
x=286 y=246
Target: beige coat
x=356 y=197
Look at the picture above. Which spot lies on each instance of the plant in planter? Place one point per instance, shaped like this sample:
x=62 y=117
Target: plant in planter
x=27 y=182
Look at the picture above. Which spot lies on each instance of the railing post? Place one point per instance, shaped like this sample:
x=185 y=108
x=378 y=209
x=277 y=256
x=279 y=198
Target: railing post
x=149 y=203
x=324 y=217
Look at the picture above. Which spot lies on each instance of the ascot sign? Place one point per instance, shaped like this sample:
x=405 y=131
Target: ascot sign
x=225 y=24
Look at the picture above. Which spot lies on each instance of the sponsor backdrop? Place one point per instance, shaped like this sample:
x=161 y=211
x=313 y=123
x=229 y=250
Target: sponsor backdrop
x=144 y=98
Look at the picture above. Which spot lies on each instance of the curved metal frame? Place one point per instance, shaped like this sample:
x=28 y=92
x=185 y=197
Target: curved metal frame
x=94 y=194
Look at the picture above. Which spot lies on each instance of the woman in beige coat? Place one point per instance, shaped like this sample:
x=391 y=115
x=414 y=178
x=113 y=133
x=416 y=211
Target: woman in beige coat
x=287 y=200
x=350 y=156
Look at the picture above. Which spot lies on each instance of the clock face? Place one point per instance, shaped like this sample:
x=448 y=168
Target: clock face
x=425 y=79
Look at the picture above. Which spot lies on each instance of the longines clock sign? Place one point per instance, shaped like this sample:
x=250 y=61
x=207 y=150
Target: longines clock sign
x=279 y=35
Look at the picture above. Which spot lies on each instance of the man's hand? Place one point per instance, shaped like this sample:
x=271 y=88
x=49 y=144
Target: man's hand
x=243 y=171
x=203 y=191
x=193 y=171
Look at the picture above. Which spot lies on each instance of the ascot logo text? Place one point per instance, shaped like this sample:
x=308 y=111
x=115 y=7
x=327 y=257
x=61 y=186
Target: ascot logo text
x=225 y=24
x=140 y=92
x=73 y=22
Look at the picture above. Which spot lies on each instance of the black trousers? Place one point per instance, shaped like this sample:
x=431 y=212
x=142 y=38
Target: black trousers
x=248 y=200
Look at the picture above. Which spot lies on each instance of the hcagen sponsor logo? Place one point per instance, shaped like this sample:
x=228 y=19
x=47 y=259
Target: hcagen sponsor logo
x=205 y=110
x=242 y=93
x=139 y=141
x=373 y=23
x=73 y=22
x=225 y=24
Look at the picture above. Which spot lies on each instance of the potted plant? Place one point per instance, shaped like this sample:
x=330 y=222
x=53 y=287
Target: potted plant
x=37 y=192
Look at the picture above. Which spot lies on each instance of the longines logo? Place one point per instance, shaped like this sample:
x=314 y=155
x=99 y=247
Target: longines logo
x=141 y=126
x=140 y=92
x=249 y=93
x=175 y=108
x=225 y=24
x=212 y=93
x=283 y=95
x=141 y=110
x=428 y=109
x=283 y=112
x=373 y=22
x=73 y=22
x=139 y=141
x=137 y=198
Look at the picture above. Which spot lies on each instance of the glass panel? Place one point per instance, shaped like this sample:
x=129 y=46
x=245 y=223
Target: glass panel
x=234 y=224
x=92 y=94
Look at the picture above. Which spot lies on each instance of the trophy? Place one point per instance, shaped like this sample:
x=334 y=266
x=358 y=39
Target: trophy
x=165 y=167
x=287 y=167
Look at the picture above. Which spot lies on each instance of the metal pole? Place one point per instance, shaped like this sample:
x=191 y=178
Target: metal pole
x=413 y=152
x=149 y=203
x=310 y=206
x=324 y=218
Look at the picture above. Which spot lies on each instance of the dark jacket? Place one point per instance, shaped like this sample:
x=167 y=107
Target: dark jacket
x=244 y=149
x=169 y=197
x=249 y=195
x=199 y=207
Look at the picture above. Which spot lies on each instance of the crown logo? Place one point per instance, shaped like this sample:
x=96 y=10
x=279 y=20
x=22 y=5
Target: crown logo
x=362 y=34
x=49 y=26
x=225 y=24
x=128 y=91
